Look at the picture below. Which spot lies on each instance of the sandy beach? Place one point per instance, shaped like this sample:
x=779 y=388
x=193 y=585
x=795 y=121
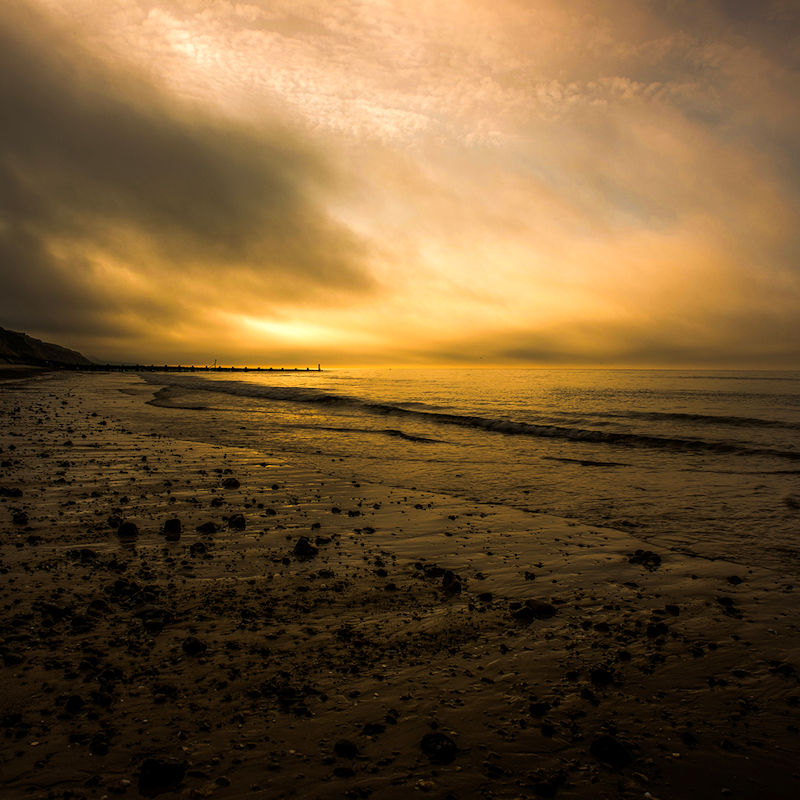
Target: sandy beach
x=181 y=617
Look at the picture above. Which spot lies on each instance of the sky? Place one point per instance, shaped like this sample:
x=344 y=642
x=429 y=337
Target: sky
x=376 y=182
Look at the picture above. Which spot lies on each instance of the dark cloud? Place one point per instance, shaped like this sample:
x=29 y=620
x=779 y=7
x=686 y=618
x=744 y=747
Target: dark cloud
x=765 y=339
x=95 y=160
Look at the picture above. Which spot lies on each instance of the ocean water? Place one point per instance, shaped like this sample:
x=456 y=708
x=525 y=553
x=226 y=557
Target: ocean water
x=699 y=461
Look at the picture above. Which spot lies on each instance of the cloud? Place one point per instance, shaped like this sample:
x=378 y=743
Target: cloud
x=120 y=207
x=505 y=179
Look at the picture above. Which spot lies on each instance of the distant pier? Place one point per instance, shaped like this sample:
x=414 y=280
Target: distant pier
x=178 y=368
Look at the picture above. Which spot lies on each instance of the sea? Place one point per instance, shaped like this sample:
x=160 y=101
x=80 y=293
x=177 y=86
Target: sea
x=702 y=462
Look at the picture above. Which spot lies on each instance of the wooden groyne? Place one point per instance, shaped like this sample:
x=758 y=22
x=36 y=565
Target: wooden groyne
x=175 y=368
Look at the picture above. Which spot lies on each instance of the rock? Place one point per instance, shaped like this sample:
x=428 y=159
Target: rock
x=153 y=618
x=98 y=746
x=689 y=739
x=230 y=483
x=192 y=646
x=172 y=529
x=304 y=549
x=610 y=751
x=84 y=555
x=729 y=606
x=439 y=748
x=343 y=772
x=430 y=570
x=11 y=657
x=373 y=728
x=159 y=775
x=207 y=527
x=197 y=549
x=74 y=704
x=783 y=668
x=20 y=518
x=344 y=748
x=656 y=629
x=127 y=531
x=589 y=695
x=647 y=558
x=533 y=609
x=237 y=522
x=548 y=785
x=451 y=583
x=539 y=708
x=600 y=676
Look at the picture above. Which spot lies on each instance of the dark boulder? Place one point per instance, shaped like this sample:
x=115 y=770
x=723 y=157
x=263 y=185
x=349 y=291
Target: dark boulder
x=344 y=748
x=611 y=751
x=303 y=548
x=127 y=531
x=74 y=704
x=451 y=583
x=647 y=558
x=601 y=677
x=207 y=527
x=533 y=609
x=172 y=529
x=439 y=748
x=192 y=646
x=197 y=549
x=159 y=775
x=237 y=522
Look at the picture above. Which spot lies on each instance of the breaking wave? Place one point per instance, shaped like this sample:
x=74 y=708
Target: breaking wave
x=309 y=396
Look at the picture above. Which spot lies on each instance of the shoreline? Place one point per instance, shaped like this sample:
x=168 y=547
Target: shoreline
x=12 y=372
x=239 y=658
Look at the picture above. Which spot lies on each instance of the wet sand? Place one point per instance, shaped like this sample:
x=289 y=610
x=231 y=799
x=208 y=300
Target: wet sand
x=305 y=636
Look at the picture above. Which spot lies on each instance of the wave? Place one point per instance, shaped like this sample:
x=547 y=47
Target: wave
x=409 y=437
x=586 y=462
x=298 y=394
x=744 y=377
x=415 y=404
x=704 y=419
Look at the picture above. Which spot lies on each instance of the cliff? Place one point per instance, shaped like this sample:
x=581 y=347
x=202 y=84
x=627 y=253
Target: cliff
x=19 y=348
